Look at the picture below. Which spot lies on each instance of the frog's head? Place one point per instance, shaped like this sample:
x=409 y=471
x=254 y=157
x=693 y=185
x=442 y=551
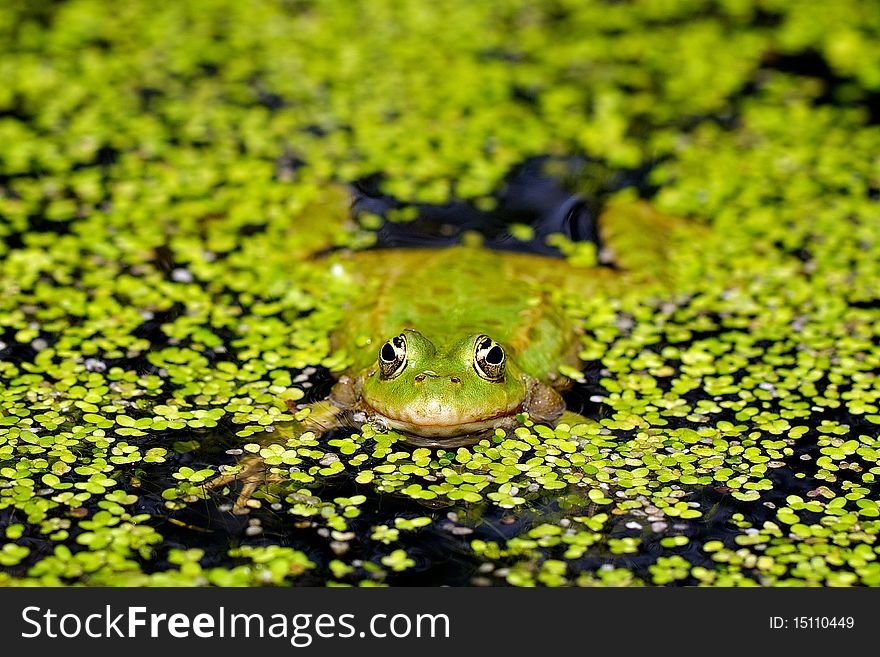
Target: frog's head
x=466 y=386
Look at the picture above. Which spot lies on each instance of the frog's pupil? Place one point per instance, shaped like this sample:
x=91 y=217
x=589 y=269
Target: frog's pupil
x=495 y=356
x=387 y=354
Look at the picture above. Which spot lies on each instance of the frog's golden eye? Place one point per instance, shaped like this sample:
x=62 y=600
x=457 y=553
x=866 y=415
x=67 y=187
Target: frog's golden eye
x=489 y=359
x=392 y=357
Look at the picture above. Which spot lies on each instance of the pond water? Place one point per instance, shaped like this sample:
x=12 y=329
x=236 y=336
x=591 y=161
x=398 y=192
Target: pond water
x=167 y=172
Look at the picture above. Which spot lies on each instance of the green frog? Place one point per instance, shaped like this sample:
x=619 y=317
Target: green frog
x=446 y=345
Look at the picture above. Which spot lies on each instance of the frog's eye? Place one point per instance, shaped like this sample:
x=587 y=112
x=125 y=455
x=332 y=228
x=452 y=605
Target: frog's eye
x=489 y=359
x=392 y=357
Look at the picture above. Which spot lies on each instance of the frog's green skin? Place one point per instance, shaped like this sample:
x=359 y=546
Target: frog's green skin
x=471 y=337
x=448 y=344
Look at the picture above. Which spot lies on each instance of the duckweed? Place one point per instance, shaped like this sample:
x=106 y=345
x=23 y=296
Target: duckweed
x=167 y=169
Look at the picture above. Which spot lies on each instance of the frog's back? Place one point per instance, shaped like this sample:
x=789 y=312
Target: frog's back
x=512 y=297
x=448 y=293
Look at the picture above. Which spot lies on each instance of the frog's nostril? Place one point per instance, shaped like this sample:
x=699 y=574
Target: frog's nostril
x=419 y=378
x=455 y=379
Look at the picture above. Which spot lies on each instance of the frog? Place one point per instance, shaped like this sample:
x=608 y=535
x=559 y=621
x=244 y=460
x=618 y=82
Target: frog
x=446 y=346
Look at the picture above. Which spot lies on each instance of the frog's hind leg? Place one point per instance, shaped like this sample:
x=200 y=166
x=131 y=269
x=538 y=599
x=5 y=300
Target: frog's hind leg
x=640 y=241
x=322 y=223
x=252 y=471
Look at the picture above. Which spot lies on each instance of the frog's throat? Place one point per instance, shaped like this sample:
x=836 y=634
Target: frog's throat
x=441 y=431
x=441 y=424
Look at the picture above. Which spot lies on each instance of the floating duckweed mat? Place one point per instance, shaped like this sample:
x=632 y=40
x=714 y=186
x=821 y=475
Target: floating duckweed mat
x=166 y=167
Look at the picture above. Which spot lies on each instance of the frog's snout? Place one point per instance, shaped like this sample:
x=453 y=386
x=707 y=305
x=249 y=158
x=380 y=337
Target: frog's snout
x=421 y=376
